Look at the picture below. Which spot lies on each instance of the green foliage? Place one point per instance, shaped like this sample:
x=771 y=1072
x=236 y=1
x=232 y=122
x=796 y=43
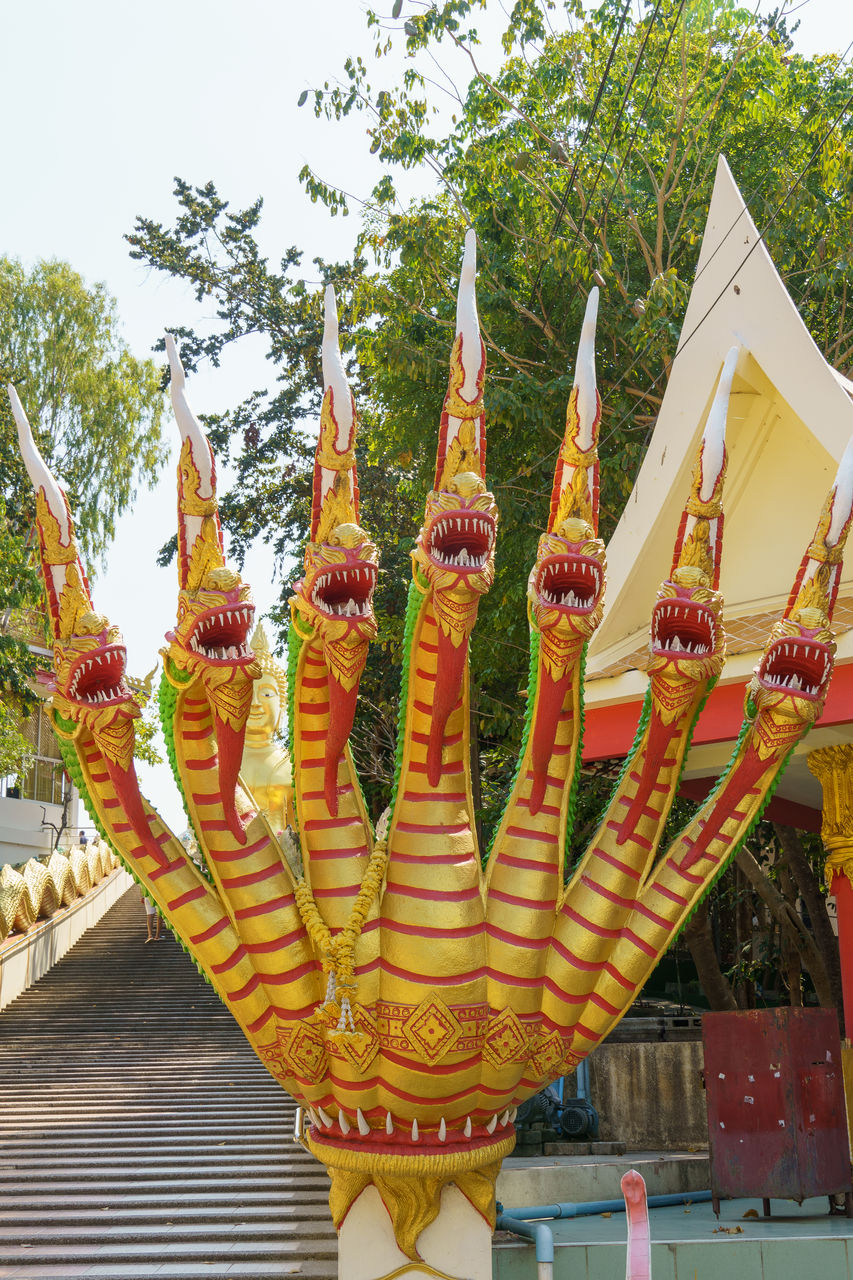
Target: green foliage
x=94 y=409
x=16 y=753
x=561 y=197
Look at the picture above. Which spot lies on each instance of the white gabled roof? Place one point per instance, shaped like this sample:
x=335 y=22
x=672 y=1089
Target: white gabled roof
x=790 y=418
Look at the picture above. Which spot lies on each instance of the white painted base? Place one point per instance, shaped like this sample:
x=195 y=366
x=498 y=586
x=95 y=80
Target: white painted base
x=26 y=958
x=457 y=1244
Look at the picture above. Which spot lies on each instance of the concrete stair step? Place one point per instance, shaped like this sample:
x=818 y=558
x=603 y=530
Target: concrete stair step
x=140 y=1135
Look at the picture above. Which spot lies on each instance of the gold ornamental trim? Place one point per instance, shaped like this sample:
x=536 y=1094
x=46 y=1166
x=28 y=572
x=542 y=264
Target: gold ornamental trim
x=55 y=550
x=442 y=1164
x=839 y=863
x=327 y=454
x=411 y=1185
x=455 y=406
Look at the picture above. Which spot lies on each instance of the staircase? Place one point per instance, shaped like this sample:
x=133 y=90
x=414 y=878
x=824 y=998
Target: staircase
x=139 y=1134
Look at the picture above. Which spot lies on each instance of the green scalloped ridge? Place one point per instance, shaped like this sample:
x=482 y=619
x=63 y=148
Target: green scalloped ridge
x=414 y=601
x=294 y=648
x=641 y=728
x=576 y=779
x=532 y=688
x=75 y=770
x=759 y=813
x=167 y=699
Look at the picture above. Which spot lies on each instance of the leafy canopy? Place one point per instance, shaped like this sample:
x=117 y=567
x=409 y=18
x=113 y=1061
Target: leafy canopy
x=588 y=157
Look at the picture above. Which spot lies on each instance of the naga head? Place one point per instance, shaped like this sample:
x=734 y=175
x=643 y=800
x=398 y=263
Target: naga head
x=210 y=640
x=456 y=545
x=334 y=599
x=792 y=678
x=454 y=556
x=90 y=691
x=687 y=637
x=565 y=590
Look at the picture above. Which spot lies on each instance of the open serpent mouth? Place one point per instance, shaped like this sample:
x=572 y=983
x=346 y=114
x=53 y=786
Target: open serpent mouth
x=220 y=634
x=796 y=665
x=683 y=627
x=99 y=677
x=462 y=540
x=345 y=591
x=570 y=582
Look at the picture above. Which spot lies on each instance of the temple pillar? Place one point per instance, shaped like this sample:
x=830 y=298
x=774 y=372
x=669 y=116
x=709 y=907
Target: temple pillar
x=833 y=767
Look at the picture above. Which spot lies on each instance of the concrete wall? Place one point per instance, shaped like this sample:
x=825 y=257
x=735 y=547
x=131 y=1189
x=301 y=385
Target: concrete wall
x=26 y=957
x=649 y=1096
x=21 y=834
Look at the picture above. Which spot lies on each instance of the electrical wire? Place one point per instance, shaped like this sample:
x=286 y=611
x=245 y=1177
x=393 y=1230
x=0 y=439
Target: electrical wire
x=759 y=240
x=618 y=121
x=579 y=149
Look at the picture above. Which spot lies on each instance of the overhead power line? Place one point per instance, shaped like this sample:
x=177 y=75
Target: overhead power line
x=579 y=149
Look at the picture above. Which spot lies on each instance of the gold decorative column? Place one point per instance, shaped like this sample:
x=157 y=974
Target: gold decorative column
x=833 y=767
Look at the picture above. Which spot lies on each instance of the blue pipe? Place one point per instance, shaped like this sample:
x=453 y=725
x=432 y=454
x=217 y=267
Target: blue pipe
x=581 y=1209
x=542 y=1236
x=582 y=1078
x=513 y=1220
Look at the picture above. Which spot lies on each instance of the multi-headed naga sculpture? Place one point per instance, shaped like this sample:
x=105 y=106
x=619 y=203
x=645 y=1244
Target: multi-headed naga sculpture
x=408 y=992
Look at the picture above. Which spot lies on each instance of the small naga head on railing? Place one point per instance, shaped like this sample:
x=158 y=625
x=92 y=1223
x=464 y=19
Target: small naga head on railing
x=210 y=641
x=334 y=599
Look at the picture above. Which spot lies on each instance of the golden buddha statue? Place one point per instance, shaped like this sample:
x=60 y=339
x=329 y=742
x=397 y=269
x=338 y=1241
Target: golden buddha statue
x=265 y=770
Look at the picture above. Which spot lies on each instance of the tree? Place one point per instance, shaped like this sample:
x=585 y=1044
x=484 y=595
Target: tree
x=94 y=407
x=588 y=157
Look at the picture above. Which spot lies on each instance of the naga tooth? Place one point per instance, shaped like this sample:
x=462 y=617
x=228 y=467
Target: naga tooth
x=467 y=1130
x=675 y=644
x=504 y=1118
x=315 y=1120
x=344 y=1123
x=513 y=1114
x=796 y=683
x=492 y=1125
x=442 y=1131
x=389 y=1124
x=325 y=1118
x=415 y=1134
x=363 y=1126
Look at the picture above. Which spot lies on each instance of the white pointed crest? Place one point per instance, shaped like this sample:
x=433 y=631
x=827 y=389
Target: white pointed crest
x=714 y=435
x=334 y=376
x=467 y=320
x=585 y=373
x=37 y=468
x=842 y=502
x=188 y=424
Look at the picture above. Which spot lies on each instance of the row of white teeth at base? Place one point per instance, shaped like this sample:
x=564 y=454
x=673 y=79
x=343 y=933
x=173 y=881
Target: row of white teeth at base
x=231 y=651
x=791 y=682
x=675 y=646
x=463 y=557
x=352 y=608
x=322 y=1120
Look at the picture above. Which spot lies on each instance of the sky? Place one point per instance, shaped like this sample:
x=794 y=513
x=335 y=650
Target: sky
x=104 y=103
